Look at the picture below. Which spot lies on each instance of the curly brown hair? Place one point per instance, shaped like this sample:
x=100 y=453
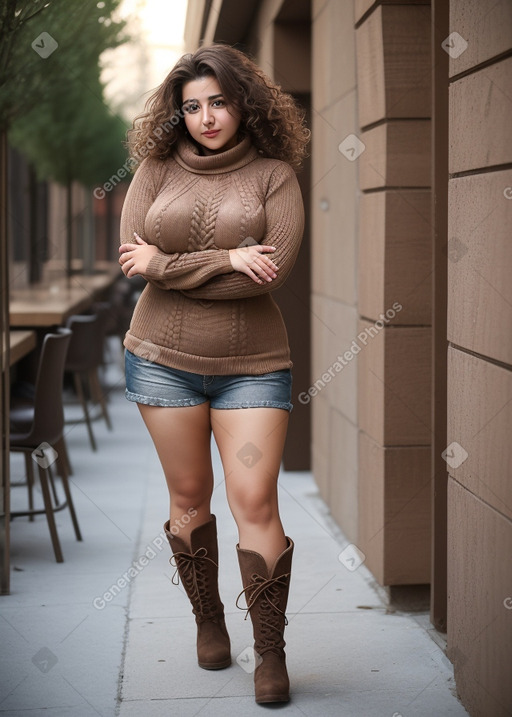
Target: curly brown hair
x=270 y=116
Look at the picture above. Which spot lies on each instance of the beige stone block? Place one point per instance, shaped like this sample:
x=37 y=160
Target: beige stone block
x=362 y=6
x=396 y=154
x=394 y=512
x=395 y=256
x=479 y=124
x=393 y=63
x=486 y=27
x=479 y=420
x=372 y=255
x=479 y=602
x=394 y=384
x=334 y=329
x=480 y=259
x=371 y=82
x=343 y=491
x=333 y=53
x=371 y=533
x=319 y=218
x=407 y=515
x=320 y=64
x=320 y=449
x=335 y=196
x=321 y=336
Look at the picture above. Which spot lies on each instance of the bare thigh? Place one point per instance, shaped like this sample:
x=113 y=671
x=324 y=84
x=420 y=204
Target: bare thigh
x=251 y=442
x=182 y=440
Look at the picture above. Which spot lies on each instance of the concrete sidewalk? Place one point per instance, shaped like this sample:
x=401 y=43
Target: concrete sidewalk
x=106 y=633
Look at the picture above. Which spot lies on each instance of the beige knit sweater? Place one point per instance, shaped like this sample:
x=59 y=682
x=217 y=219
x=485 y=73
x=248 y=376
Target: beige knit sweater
x=196 y=313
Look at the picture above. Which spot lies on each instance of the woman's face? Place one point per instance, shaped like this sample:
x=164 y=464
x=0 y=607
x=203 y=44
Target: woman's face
x=207 y=117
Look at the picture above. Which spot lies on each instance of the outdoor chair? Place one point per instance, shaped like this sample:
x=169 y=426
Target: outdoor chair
x=37 y=432
x=85 y=356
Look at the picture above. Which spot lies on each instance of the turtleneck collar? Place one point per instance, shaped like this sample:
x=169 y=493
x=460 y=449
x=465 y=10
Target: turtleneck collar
x=187 y=156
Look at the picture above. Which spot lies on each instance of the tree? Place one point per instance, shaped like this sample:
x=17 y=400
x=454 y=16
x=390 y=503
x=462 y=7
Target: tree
x=65 y=130
x=46 y=41
x=49 y=62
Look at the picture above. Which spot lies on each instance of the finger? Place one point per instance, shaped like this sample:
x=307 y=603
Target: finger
x=265 y=258
x=270 y=263
x=252 y=275
x=139 y=239
x=260 y=271
x=265 y=270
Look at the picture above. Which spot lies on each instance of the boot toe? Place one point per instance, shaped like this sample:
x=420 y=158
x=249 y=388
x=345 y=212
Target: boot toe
x=213 y=645
x=271 y=682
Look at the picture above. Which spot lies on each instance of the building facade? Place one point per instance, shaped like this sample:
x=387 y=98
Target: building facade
x=400 y=308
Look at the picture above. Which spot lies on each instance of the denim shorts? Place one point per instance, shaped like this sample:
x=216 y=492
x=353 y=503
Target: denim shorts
x=152 y=384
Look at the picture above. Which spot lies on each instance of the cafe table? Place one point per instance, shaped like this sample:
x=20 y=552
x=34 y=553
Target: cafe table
x=21 y=343
x=52 y=304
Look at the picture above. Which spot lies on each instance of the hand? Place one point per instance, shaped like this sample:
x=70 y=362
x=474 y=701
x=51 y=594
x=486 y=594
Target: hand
x=134 y=258
x=252 y=260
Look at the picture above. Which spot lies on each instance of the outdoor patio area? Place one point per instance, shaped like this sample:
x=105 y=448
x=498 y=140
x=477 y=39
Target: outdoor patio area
x=76 y=644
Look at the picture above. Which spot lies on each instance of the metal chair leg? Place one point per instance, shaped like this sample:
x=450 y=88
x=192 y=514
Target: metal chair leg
x=52 y=485
x=69 y=500
x=81 y=397
x=30 y=483
x=50 y=517
x=97 y=393
x=63 y=462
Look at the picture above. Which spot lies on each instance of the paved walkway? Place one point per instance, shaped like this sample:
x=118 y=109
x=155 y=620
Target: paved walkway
x=79 y=639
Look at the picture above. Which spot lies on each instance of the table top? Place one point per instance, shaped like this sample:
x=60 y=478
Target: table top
x=53 y=304
x=21 y=343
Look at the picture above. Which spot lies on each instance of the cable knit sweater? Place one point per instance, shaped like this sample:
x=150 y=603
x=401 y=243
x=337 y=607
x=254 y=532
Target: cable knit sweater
x=196 y=313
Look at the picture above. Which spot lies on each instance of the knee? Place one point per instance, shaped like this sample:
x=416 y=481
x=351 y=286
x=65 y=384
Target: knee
x=255 y=507
x=190 y=493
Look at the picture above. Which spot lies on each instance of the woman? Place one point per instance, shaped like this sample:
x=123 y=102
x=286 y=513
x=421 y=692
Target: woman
x=213 y=221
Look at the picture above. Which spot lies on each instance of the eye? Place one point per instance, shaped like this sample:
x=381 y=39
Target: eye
x=190 y=108
x=218 y=103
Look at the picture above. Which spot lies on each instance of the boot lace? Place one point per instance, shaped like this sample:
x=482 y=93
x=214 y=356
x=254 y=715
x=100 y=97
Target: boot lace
x=265 y=594
x=192 y=568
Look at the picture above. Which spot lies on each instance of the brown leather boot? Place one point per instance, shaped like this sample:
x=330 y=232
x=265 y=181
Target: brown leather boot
x=266 y=594
x=197 y=566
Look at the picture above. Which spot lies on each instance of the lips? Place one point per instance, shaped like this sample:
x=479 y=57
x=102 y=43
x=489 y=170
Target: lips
x=211 y=133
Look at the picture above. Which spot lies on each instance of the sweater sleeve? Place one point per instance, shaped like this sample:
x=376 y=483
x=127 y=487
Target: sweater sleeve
x=140 y=196
x=284 y=214
x=166 y=271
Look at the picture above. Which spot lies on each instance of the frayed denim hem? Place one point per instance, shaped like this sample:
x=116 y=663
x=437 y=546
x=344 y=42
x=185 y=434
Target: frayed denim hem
x=162 y=402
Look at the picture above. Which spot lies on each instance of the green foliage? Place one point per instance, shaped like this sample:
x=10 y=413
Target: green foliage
x=53 y=101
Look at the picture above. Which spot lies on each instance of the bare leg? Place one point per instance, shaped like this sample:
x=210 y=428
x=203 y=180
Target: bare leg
x=182 y=440
x=251 y=442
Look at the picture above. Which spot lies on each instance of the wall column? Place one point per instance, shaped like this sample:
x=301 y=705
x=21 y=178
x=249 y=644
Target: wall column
x=480 y=355
x=394 y=280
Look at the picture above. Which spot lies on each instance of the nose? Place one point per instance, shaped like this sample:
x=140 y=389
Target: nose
x=207 y=117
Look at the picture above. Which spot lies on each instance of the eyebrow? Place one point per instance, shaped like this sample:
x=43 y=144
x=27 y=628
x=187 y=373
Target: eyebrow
x=211 y=97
